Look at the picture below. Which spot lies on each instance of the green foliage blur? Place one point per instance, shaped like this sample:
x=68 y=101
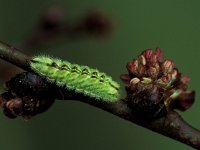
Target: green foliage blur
x=172 y=25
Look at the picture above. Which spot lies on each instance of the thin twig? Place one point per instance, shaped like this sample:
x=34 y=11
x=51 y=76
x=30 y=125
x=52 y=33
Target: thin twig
x=14 y=56
x=172 y=125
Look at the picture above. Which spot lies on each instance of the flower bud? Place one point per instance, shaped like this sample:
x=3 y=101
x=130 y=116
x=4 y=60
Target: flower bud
x=147 y=53
x=125 y=78
x=132 y=67
x=159 y=54
x=167 y=65
x=142 y=60
x=134 y=81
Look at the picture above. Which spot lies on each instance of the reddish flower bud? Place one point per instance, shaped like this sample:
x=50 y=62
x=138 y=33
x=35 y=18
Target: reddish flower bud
x=132 y=67
x=185 y=79
x=147 y=53
x=169 y=77
x=153 y=60
x=167 y=65
x=159 y=54
x=174 y=74
x=135 y=64
x=142 y=60
x=141 y=71
x=125 y=78
x=134 y=81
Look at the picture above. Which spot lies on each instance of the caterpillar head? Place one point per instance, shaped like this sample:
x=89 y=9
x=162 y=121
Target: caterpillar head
x=154 y=86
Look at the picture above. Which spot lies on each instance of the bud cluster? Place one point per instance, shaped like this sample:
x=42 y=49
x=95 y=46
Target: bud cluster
x=155 y=86
x=27 y=95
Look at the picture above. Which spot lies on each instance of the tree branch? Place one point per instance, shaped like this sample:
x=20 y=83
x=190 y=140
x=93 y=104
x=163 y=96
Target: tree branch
x=172 y=125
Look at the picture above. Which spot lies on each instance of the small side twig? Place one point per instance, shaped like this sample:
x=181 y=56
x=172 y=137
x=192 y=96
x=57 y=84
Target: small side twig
x=14 y=56
x=172 y=125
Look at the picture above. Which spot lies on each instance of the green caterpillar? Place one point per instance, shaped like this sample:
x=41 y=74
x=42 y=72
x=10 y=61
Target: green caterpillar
x=82 y=79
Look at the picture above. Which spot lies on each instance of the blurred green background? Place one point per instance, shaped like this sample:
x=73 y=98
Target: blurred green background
x=172 y=25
